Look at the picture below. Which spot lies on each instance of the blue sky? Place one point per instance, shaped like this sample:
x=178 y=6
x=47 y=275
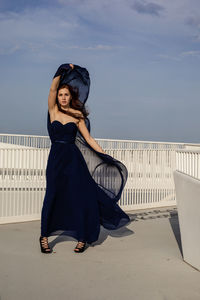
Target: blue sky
x=143 y=58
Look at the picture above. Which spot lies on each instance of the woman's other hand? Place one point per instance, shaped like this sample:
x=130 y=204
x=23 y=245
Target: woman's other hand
x=62 y=68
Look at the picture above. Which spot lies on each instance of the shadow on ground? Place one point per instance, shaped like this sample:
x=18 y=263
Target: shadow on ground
x=170 y=213
x=176 y=229
x=61 y=236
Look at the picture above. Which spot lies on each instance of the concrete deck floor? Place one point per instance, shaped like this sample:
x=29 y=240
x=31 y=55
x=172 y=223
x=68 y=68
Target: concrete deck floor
x=140 y=261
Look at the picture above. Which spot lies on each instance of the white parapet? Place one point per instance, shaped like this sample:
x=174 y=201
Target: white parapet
x=188 y=203
x=23 y=160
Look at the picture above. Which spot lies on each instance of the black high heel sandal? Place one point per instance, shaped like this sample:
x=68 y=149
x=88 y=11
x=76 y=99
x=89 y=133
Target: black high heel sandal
x=44 y=246
x=80 y=247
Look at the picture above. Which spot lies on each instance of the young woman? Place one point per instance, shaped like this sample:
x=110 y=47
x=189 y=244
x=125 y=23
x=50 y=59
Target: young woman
x=80 y=195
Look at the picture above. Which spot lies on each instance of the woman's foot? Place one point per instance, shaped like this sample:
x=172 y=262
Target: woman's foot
x=80 y=247
x=44 y=245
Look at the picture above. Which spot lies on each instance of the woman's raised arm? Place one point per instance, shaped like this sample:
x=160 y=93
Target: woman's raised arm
x=55 y=84
x=53 y=92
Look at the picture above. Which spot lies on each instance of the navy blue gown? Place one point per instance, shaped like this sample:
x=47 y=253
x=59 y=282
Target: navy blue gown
x=83 y=187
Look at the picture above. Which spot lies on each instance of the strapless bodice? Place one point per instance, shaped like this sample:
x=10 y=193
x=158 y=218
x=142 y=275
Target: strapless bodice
x=63 y=133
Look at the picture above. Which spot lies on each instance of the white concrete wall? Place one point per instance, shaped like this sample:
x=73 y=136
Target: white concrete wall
x=188 y=203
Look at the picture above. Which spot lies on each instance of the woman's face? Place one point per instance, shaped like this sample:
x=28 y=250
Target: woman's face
x=64 y=97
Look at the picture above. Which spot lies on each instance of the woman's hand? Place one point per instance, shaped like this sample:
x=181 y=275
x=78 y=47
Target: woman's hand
x=62 y=68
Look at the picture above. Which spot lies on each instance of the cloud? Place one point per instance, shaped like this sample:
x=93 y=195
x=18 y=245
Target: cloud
x=169 y=57
x=96 y=47
x=96 y=27
x=9 y=50
x=147 y=8
x=101 y=47
x=33 y=31
x=191 y=53
x=193 y=21
x=181 y=56
x=72 y=2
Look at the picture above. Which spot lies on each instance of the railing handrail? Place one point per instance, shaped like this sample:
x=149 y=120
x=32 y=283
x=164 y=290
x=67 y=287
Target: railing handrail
x=111 y=140
x=25 y=135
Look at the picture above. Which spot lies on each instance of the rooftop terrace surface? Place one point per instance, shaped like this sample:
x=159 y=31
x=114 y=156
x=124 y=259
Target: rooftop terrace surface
x=140 y=261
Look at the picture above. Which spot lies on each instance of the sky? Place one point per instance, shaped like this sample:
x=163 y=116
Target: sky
x=143 y=58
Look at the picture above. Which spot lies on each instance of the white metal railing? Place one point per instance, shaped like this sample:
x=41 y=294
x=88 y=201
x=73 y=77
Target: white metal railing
x=24 y=140
x=188 y=162
x=22 y=183
x=44 y=142
x=22 y=174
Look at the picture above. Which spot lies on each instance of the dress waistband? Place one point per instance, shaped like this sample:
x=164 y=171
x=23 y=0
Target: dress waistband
x=71 y=141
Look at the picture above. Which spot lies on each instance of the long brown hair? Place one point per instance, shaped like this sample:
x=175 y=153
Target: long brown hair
x=75 y=103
